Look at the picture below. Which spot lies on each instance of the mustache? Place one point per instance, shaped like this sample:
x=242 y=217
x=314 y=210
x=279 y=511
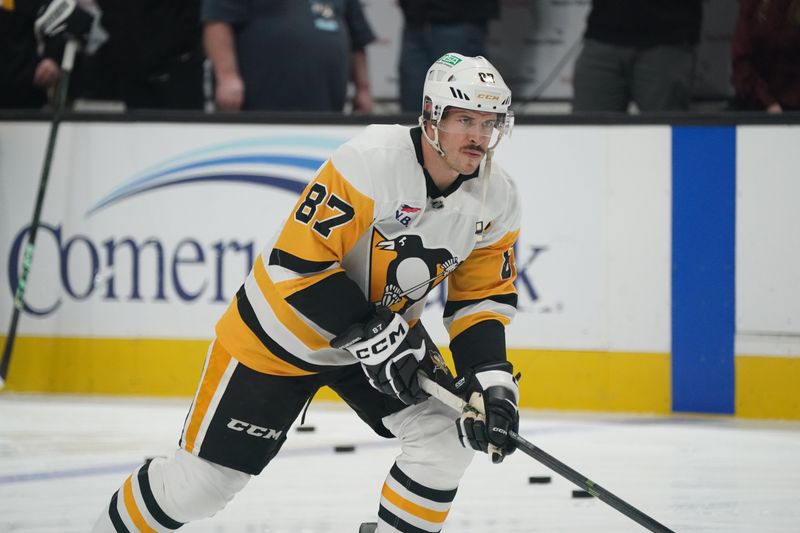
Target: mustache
x=475 y=147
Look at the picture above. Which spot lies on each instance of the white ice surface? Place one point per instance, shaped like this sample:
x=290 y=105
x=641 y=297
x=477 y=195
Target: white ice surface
x=62 y=457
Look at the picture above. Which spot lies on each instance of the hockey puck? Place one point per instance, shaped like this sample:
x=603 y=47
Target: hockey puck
x=305 y=429
x=344 y=449
x=534 y=480
x=581 y=494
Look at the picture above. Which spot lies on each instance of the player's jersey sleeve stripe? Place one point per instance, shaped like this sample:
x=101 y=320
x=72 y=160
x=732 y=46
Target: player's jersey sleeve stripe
x=290 y=286
x=319 y=229
x=284 y=312
x=460 y=325
x=281 y=359
x=8 y=5
x=333 y=303
x=297 y=264
x=451 y=308
x=239 y=339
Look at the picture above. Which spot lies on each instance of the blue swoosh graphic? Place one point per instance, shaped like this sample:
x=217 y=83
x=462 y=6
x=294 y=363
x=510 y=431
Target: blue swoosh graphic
x=287 y=184
x=324 y=144
x=159 y=175
x=140 y=184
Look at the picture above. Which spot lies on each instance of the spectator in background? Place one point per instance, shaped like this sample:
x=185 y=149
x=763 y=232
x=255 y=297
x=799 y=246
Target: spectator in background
x=766 y=56
x=287 y=55
x=433 y=28
x=640 y=51
x=26 y=74
x=155 y=52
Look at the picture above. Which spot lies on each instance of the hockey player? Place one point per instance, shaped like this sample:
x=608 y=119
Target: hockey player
x=335 y=299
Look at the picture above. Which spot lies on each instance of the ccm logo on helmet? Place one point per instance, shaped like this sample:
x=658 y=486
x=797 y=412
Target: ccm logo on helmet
x=484 y=96
x=255 y=431
x=389 y=340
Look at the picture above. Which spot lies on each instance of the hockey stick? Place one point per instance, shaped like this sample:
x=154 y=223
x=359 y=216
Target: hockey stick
x=418 y=286
x=456 y=403
x=61 y=97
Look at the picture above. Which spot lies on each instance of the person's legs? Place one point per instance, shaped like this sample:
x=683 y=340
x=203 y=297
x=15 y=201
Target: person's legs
x=414 y=63
x=165 y=493
x=422 y=483
x=662 y=78
x=237 y=423
x=601 y=78
x=422 y=44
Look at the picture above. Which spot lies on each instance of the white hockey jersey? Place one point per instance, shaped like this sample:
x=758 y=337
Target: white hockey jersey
x=372 y=227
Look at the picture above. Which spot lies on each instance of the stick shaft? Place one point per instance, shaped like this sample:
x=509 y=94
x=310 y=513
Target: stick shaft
x=19 y=294
x=606 y=496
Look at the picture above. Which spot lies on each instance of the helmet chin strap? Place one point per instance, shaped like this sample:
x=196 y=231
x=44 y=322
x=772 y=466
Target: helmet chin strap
x=487 y=171
x=435 y=143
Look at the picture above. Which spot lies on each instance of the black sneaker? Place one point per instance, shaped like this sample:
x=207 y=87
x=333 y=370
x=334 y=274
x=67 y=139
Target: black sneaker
x=368 y=527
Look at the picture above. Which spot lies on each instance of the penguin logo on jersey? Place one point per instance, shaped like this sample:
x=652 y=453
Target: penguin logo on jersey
x=403 y=271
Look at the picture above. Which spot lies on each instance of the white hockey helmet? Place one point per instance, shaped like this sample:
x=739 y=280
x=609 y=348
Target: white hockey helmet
x=473 y=83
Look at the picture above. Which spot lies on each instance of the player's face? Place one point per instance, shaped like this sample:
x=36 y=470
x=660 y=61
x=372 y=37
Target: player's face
x=465 y=136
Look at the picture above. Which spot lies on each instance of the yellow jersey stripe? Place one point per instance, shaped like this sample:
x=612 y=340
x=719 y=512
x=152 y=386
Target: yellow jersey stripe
x=7 y=5
x=462 y=324
x=284 y=312
x=133 y=510
x=239 y=339
x=290 y=286
x=436 y=517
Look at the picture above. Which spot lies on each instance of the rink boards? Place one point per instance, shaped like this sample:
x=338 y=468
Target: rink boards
x=659 y=267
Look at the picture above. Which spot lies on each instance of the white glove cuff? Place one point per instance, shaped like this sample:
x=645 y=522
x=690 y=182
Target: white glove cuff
x=382 y=343
x=498 y=378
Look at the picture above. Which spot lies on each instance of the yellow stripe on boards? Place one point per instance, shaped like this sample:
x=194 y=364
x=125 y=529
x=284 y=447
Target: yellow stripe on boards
x=768 y=387
x=594 y=381
x=147 y=367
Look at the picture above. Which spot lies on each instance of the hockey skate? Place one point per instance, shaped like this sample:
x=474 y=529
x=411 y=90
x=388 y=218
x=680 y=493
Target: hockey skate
x=368 y=527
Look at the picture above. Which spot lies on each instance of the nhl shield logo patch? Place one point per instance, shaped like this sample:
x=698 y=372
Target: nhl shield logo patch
x=405 y=214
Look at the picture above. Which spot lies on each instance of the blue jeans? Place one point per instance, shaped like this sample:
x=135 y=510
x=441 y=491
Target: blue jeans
x=422 y=44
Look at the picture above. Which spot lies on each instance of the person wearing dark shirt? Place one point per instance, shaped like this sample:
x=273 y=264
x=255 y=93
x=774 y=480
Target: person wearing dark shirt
x=155 y=52
x=431 y=29
x=766 y=55
x=638 y=51
x=287 y=55
x=25 y=73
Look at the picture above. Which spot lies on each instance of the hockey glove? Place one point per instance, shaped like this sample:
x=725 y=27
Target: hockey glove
x=390 y=353
x=65 y=18
x=492 y=394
